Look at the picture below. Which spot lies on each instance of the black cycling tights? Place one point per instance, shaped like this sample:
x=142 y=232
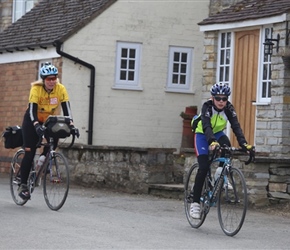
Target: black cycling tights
x=26 y=164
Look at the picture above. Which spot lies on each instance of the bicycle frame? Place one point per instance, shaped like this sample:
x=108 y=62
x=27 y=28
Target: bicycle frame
x=209 y=199
x=36 y=176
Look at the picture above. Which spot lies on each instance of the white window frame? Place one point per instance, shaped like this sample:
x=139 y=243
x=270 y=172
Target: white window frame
x=172 y=85
x=130 y=84
x=225 y=63
x=20 y=7
x=264 y=92
x=225 y=58
x=40 y=64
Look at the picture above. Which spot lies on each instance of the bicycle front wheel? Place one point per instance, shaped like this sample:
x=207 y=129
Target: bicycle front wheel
x=232 y=202
x=56 y=182
x=15 y=179
x=188 y=198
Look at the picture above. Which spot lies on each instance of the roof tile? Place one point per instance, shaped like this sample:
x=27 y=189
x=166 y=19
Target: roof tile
x=247 y=10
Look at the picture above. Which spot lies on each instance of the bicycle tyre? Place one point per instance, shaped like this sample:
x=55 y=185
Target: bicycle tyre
x=15 y=180
x=56 y=182
x=188 y=188
x=232 y=202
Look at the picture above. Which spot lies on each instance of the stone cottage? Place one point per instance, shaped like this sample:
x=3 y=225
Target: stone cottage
x=246 y=44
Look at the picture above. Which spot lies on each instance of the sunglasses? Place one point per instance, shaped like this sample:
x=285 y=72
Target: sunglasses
x=50 y=78
x=218 y=98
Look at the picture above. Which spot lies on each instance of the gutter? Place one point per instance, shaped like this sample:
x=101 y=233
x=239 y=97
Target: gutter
x=58 y=44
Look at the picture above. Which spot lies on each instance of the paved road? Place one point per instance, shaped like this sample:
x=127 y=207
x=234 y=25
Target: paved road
x=98 y=219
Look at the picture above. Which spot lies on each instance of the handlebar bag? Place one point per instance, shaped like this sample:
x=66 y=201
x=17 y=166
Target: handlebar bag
x=58 y=126
x=13 y=137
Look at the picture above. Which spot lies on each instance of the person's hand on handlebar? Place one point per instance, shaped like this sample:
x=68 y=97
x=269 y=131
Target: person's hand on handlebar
x=247 y=147
x=214 y=145
x=74 y=131
x=39 y=129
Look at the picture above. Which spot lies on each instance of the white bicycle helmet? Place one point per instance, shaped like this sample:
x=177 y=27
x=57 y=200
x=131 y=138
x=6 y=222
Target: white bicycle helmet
x=47 y=70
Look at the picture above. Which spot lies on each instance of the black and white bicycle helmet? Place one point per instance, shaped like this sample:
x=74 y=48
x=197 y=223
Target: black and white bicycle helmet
x=220 y=89
x=47 y=70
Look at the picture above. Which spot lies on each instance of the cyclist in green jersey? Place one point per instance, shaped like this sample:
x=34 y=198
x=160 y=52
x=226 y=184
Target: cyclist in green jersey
x=209 y=134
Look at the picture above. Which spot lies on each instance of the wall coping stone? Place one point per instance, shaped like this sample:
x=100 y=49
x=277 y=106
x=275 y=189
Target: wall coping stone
x=120 y=148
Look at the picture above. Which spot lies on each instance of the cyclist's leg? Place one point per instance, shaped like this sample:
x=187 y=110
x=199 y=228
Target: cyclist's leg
x=222 y=139
x=30 y=140
x=201 y=147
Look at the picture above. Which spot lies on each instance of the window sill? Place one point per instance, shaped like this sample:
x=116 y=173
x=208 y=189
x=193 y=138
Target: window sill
x=135 y=88
x=261 y=103
x=181 y=91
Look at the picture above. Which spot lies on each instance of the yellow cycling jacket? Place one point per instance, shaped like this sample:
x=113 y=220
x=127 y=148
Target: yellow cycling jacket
x=47 y=103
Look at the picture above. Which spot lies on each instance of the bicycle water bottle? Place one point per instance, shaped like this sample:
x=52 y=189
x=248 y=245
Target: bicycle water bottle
x=217 y=173
x=40 y=162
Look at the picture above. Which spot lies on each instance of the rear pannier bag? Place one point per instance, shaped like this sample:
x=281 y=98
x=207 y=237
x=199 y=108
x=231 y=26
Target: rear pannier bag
x=13 y=137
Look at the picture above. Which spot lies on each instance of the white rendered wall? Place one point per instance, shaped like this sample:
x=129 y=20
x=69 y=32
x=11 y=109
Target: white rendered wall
x=148 y=118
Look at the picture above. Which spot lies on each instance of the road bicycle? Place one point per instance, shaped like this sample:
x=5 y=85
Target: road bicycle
x=228 y=193
x=54 y=173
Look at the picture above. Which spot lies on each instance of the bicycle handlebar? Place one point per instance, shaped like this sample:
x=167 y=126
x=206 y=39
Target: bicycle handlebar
x=230 y=150
x=74 y=132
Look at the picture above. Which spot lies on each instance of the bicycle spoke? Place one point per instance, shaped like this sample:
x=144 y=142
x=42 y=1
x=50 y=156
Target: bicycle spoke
x=56 y=182
x=232 y=203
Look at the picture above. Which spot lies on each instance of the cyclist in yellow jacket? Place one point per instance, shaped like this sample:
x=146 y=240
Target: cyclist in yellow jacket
x=215 y=114
x=46 y=98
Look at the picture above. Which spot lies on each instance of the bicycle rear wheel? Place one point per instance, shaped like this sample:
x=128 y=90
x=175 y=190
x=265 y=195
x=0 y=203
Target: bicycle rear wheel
x=15 y=179
x=188 y=199
x=232 y=202
x=56 y=182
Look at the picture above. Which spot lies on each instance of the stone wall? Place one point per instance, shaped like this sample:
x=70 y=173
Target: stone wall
x=5 y=14
x=121 y=168
x=134 y=169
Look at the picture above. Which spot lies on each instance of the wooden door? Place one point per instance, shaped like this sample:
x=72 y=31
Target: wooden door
x=244 y=85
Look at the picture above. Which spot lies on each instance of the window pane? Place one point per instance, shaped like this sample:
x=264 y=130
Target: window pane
x=223 y=40
x=183 y=68
x=228 y=55
x=269 y=89
x=124 y=53
x=265 y=72
x=122 y=75
x=176 y=57
x=184 y=57
x=222 y=57
x=132 y=64
x=228 y=39
x=174 y=79
x=132 y=53
x=182 y=79
x=264 y=89
x=123 y=64
x=175 y=68
x=227 y=76
x=221 y=74
x=131 y=76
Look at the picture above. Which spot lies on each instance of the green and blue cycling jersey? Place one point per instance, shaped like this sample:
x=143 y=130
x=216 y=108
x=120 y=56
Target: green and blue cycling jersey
x=214 y=121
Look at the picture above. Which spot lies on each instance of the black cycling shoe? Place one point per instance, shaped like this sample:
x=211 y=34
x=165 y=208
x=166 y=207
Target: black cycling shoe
x=23 y=192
